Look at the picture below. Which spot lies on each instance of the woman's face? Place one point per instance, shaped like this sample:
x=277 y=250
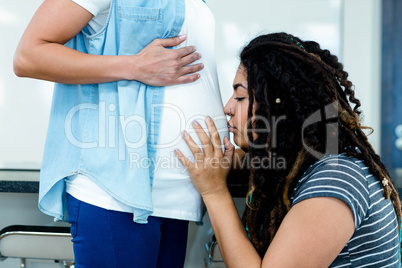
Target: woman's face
x=237 y=109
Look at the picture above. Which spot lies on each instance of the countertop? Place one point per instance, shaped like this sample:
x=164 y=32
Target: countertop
x=27 y=181
x=19 y=181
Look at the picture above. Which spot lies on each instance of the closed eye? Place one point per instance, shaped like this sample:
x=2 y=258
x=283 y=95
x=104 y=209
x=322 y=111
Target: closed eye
x=239 y=98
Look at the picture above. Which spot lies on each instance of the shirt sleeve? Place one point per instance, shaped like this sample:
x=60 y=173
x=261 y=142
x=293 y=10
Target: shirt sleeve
x=338 y=177
x=94 y=6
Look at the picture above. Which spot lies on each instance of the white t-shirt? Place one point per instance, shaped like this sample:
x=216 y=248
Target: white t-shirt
x=100 y=10
x=173 y=193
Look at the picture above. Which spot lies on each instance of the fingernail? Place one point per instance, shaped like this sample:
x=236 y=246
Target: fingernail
x=182 y=36
x=199 y=55
x=202 y=65
x=184 y=133
x=195 y=123
x=176 y=151
x=226 y=140
x=208 y=118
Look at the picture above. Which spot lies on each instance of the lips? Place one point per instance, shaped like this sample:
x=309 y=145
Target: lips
x=230 y=127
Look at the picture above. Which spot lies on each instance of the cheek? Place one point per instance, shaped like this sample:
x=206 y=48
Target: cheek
x=241 y=140
x=244 y=114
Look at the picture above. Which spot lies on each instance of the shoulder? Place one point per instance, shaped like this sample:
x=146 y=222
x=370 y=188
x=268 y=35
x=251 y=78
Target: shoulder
x=337 y=176
x=336 y=170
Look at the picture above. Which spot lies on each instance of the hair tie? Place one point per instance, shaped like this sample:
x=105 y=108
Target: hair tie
x=297 y=43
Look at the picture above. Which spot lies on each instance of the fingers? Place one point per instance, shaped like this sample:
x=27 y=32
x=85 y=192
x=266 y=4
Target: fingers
x=186 y=51
x=186 y=55
x=172 y=42
x=205 y=141
x=198 y=154
x=227 y=158
x=187 y=60
x=214 y=136
x=190 y=69
x=184 y=160
x=186 y=79
x=229 y=149
x=188 y=74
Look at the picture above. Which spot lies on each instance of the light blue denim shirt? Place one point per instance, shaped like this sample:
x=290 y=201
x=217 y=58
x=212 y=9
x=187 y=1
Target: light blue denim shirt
x=96 y=129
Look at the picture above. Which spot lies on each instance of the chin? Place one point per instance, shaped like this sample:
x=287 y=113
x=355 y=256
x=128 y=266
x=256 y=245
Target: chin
x=240 y=142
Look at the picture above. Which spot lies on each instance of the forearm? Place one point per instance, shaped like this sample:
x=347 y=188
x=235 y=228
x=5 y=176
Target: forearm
x=234 y=245
x=41 y=53
x=57 y=63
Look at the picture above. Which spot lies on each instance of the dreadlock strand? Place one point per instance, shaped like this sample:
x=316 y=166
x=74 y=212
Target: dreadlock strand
x=290 y=177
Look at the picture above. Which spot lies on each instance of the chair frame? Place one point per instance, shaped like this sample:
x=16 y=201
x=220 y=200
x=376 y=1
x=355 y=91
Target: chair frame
x=28 y=230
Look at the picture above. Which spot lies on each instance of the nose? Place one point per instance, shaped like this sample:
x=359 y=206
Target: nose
x=228 y=109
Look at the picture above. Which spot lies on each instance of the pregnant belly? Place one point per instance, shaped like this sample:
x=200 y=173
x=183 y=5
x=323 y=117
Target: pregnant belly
x=178 y=113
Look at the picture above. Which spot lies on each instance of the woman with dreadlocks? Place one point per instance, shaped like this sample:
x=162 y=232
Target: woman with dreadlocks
x=318 y=195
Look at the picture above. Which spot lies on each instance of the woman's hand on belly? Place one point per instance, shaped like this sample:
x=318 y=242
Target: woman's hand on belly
x=159 y=66
x=212 y=165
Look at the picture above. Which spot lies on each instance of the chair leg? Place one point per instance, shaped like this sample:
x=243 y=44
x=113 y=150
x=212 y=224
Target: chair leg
x=22 y=263
x=67 y=264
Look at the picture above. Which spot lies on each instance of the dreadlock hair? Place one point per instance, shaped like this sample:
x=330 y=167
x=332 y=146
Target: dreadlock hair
x=293 y=78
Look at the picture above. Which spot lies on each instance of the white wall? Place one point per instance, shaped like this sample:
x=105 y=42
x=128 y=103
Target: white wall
x=24 y=103
x=237 y=22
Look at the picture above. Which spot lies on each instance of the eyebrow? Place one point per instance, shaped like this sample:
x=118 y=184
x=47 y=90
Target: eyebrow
x=235 y=86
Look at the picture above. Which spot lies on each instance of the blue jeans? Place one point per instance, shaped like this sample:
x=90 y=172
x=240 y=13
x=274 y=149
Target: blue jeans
x=110 y=239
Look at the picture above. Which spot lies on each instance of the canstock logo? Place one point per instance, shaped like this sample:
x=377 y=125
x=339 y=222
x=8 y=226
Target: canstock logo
x=329 y=116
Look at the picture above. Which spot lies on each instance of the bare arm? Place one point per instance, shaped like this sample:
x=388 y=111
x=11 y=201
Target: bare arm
x=41 y=53
x=312 y=234
x=234 y=245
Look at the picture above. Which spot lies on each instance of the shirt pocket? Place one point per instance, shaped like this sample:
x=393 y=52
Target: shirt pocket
x=139 y=26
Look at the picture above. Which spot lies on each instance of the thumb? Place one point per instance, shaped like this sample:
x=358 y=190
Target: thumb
x=229 y=149
x=174 y=41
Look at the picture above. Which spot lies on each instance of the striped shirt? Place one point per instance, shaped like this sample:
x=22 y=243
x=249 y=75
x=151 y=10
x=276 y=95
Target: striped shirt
x=375 y=242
